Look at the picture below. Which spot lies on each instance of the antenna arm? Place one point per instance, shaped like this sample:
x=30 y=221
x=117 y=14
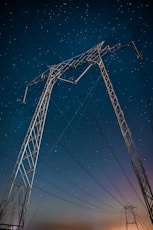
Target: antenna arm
x=139 y=55
x=122 y=45
x=35 y=81
x=25 y=95
x=43 y=76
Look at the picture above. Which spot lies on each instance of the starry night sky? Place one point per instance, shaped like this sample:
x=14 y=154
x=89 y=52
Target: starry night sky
x=84 y=171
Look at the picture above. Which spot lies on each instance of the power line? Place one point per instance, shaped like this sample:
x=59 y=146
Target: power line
x=66 y=200
x=108 y=144
x=61 y=189
x=85 y=169
x=120 y=165
x=89 y=194
x=74 y=115
x=119 y=192
x=105 y=139
x=75 y=184
x=70 y=194
x=141 y=222
x=92 y=207
x=57 y=140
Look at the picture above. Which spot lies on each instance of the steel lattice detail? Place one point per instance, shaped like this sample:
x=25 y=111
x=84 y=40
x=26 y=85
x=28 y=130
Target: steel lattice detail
x=24 y=170
x=127 y=136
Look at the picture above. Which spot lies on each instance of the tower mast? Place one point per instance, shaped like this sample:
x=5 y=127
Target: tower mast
x=130 y=217
x=127 y=136
x=17 y=198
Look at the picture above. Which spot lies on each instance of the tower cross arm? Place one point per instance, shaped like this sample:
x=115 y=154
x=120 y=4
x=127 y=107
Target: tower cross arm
x=124 y=44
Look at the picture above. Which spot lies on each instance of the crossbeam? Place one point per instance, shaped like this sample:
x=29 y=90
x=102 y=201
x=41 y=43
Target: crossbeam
x=90 y=57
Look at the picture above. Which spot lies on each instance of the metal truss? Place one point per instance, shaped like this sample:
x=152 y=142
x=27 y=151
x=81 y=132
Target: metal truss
x=130 y=217
x=21 y=182
x=127 y=136
x=16 y=200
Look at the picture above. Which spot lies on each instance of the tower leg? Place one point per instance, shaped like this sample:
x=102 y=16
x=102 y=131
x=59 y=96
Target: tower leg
x=14 y=205
x=129 y=142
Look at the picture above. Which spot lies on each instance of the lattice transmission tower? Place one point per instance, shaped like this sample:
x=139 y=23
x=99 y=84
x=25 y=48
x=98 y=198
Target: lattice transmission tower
x=16 y=200
x=130 y=217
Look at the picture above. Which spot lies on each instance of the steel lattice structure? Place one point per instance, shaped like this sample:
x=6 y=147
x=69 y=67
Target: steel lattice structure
x=130 y=217
x=24 y=171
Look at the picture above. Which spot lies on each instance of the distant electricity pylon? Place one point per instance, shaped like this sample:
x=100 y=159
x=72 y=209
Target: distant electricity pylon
x=22 y=178
x=130 y=218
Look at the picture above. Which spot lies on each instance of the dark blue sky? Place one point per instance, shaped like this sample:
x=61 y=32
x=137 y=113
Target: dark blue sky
x=35 y=35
